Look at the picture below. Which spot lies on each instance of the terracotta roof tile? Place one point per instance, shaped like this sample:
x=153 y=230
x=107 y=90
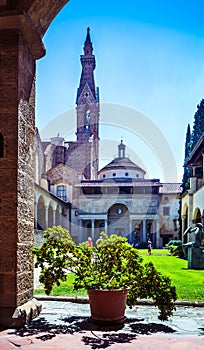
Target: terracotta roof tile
x=171 y=187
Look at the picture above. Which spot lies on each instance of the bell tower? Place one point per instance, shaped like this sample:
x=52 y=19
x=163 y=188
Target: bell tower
x=87 y=109
x=87 y=97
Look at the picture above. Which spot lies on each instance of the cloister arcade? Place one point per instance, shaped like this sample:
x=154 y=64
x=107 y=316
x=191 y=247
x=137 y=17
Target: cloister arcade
x=49 y=211
x=191 y=216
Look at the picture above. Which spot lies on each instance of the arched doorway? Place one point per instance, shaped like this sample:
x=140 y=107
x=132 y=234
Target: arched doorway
x=118 y=220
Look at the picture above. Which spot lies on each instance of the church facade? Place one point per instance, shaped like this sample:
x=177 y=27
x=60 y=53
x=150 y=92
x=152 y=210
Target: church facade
x=73 y=192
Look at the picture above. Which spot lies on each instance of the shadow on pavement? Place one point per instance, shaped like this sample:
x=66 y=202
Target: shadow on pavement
x=44 y=330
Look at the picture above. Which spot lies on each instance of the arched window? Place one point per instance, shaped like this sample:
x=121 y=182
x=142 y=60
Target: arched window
x=61 y=192
x=1 y=145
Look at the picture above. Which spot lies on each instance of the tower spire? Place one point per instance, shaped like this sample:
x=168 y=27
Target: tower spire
x=88 y=99
x=88 y=65
x=88 y=48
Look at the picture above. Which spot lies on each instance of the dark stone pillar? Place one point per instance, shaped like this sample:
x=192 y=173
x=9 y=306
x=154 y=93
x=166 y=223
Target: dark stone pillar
x=17 y=121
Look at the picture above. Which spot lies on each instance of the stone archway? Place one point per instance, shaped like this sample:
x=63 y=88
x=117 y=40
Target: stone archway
x=22 y=26
x=197 y=216
x=41 y=214
x=118 y=220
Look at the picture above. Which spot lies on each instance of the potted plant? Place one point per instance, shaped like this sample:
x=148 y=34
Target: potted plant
x=111 y=266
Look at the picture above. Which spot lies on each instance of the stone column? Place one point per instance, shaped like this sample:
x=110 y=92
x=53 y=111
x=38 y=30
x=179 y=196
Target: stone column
x=60 y=217
x=46 y=216
x=17 y=121
x=157 y=234
x=106 y=226
x=80 y=223
x=92 y=228
x=144 y=233
x=54 y=217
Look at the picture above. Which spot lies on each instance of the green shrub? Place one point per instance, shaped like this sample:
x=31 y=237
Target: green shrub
x=176 y=251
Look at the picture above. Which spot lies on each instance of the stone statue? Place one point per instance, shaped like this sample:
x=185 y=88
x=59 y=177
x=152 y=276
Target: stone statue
x=198 y=232
x=194 y=250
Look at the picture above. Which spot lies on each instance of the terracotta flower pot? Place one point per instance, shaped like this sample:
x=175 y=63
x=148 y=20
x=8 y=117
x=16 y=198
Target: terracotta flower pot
x=107 y=306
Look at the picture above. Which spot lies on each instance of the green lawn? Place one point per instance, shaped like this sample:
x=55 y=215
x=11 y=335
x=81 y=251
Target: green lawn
x=189 y=283
x=65 y=289
x=155 y=252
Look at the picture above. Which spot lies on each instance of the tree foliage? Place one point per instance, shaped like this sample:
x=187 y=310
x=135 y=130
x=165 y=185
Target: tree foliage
x=198 y=126
x=187 y=171
x=192 y=139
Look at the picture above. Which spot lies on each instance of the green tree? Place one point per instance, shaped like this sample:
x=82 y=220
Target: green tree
x=198 y=126
x=187 y=171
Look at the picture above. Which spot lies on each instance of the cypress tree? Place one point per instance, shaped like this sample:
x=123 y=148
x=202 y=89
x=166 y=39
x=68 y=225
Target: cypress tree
x=198 y=126
x=187 y=171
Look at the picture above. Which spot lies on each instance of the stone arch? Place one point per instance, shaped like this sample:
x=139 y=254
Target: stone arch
x=197 y=216
x=118 y=219
x=41 y=12
x=41 y=213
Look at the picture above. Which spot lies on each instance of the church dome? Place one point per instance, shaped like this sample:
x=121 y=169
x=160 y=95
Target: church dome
x=121 y=167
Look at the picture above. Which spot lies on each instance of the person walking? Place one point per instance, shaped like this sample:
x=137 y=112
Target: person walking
x=149 y=246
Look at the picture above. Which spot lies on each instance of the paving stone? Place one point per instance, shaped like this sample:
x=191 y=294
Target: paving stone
x=65 y=325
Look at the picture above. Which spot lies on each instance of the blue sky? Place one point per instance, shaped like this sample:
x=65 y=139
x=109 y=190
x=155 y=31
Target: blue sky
x=149 y=59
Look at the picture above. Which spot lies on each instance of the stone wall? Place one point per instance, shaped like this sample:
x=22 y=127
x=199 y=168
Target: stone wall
x=9 y=42
x=25 y=210
x=17 y=181
x=22 y=25
x=65 y=174
x=78 y=157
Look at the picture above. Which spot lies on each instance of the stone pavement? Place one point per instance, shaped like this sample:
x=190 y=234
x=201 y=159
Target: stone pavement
x=63 y=325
